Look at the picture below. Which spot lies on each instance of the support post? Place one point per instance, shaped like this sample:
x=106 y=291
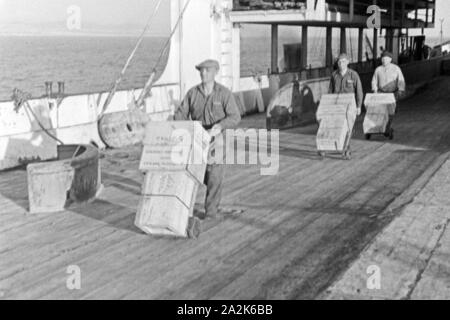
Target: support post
x=395 y=45
x=434 y=12
x=328 y=50
x=352 y=10
x=416 y=14
x=402 y=18
x=360 y=44
x=304 y=58
x=236 y=55
x=389 y=39
x=343 y=46
x=411 y=43
x=375 y=45
x=274 y=56
x=392 y=12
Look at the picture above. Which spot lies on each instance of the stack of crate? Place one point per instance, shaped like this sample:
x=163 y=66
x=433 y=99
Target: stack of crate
x=174 y=161
x=379 y=107
x=336 y=114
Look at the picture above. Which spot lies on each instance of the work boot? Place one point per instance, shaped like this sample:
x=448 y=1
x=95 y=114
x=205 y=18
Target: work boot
x=200 y=214
x=212 y=215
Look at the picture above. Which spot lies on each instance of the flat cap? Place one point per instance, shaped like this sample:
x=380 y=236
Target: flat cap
x=210 y=63
x=386 y=54
x=343 y=56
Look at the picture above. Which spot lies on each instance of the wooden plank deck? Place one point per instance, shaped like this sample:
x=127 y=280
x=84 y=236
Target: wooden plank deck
x=301 y=228
x=411 y=254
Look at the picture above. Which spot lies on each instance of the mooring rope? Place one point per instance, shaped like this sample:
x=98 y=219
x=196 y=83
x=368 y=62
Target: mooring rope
x=20 y=98
x=149 y=82
x=130 y=57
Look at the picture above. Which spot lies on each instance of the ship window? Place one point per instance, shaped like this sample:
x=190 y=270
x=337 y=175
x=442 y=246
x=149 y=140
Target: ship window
x=255 y=49
x=241 y=5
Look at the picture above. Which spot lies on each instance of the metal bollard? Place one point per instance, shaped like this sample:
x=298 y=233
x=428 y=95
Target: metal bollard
x=48 y=88
x=60 y=88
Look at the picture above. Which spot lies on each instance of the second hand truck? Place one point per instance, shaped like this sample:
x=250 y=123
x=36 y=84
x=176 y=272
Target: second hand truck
x=379 y=115
x=336 y=116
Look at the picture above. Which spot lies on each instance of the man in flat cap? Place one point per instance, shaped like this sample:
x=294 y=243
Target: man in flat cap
x=388 y=78
x=346 y=80
x=213 y=105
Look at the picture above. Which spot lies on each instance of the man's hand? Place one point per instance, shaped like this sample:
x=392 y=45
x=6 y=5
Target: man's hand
x=399 y=95
x=215 y=130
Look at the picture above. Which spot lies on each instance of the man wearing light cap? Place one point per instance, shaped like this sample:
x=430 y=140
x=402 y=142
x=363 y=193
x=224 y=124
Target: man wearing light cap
x=346 y=80
x=388 y=78
x=214 y=106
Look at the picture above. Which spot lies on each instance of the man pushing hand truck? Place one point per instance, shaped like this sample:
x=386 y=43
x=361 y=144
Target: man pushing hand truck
x=388 y=78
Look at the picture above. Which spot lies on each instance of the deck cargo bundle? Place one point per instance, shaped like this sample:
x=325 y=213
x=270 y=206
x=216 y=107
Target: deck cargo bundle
x=174 y=161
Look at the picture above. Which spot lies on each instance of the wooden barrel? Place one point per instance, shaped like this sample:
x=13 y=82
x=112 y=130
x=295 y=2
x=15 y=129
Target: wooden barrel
x=124 y=128
x=87 y=175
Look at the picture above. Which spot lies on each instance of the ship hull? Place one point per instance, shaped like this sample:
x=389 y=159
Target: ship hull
x=74 y=119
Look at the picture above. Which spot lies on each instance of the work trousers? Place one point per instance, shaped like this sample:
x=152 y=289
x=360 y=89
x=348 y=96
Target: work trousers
x=214 y=184
x=391 y=117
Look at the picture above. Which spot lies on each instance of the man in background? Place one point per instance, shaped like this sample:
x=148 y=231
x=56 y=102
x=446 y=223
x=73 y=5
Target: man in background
x=388 y=78
x=346 y=80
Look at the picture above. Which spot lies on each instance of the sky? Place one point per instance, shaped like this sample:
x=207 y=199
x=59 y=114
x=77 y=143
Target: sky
x=47 y=17
x=96 y=16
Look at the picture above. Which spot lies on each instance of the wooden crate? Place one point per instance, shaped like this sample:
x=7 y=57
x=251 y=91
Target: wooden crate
x=176 y=146
x=164 y=215
x=375 y=122
x=185 y=133
x=335 y=105
x=336 y=114
x=332 y=133
x=339 y=98
x=375 y=102
x=178 y=184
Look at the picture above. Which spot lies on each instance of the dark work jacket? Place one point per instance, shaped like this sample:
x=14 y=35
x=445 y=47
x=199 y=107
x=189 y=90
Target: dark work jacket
x=349 y=83
x=217 y=108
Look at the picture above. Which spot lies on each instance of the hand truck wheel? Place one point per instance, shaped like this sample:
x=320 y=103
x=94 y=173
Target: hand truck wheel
x=347 y=155
x=193 y=228
x=391 y=134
